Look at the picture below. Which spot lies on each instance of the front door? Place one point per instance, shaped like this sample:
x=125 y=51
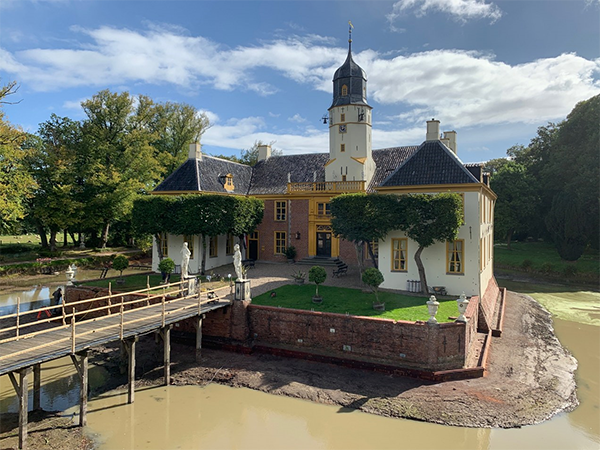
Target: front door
x=324 y=244
x=253 y=246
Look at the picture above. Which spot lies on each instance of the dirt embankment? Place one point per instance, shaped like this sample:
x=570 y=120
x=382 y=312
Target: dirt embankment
x=530 y=378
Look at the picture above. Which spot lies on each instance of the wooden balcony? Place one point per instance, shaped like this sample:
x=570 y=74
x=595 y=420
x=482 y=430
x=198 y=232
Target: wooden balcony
x=334 y=187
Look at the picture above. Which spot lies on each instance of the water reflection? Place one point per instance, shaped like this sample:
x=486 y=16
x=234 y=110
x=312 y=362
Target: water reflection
x=32 y=299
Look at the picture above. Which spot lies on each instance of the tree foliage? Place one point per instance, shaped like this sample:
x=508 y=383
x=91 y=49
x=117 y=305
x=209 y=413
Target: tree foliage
x=250 y=156
x=373 y=278
x=317 y=275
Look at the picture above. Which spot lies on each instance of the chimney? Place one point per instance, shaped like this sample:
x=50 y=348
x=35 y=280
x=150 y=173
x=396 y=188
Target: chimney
x=433 y=130
x=195 y=151
x=264 y=152
x=451 y=137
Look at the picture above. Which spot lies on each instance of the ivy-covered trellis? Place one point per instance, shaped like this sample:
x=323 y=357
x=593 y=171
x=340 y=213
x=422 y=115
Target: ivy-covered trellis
x=206 y=215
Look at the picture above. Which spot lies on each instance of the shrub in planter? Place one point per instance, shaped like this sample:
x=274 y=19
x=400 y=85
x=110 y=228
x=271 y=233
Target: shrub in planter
x=120 y=263
x=166 y=267
x=373 y=278
x=299 y=277
x=317 y=275
x=290 y=253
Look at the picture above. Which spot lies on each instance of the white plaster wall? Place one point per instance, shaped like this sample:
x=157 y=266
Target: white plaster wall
x=434 y=258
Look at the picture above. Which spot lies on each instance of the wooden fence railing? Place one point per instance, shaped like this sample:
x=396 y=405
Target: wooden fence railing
x=74 y=312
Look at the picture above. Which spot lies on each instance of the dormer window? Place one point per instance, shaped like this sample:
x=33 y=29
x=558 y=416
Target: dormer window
x=228 y=182
x=344 y=90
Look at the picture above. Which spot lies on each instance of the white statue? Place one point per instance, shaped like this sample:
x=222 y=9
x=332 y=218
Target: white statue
x=237 y=262
x=185 y=260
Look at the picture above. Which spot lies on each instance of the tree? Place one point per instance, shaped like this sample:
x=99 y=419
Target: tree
x=16 y=183
x=317 y=275
x=151 y=214
x=569 y=232
x=120 y=263
x=363 y=218
x=250 y=155
x=372 y=277
x=429 y=219
x=518 y=201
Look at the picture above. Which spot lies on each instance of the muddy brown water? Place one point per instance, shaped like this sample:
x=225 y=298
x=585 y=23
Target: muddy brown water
x=221 y=417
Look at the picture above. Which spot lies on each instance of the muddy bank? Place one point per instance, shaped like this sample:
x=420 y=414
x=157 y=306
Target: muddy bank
x=530 y=378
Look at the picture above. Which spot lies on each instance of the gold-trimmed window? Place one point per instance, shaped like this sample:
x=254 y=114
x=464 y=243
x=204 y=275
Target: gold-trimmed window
x=344 y=90
x=213 y=246
x=190 y=240
x=323 y=209
x=399 y=253
x=228 y=182
x=163 y=241
x=229 y=244
x=280 y=211
x=280 y=242
x=342 y=147
x=455 y=254
x=342 y=117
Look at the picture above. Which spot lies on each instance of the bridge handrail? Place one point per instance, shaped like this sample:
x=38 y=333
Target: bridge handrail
x=106 y=307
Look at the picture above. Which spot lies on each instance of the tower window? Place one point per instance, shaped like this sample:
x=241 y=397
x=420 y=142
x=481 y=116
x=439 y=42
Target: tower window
x=344 y=90
x=343 y=118
x=342 y=147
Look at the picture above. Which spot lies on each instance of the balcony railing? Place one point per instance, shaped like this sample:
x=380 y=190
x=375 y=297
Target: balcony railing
x=326 y=186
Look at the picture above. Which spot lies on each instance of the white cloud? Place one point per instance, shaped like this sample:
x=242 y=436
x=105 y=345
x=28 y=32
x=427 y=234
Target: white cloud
x=461 y=10
x=74 y=104
x=297 y=118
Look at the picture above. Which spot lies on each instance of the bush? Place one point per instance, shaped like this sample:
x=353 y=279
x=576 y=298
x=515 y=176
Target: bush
x=317 y=275
x=372 y=277
x=290 y=252
x=547 y=268
x=166 y=266
x=120 y=263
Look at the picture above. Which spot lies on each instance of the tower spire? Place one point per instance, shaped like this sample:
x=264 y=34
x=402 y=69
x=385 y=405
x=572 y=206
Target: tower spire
x=350 y=26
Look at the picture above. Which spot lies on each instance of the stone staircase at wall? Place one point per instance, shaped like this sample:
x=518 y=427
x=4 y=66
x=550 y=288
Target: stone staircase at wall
x=321 y=261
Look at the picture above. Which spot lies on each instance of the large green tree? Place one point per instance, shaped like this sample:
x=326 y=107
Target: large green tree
x=16 y=183
x=363 y=218
x=518 y=201
x=428 y=219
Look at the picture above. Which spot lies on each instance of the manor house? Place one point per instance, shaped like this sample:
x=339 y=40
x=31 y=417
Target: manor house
x=296 y=190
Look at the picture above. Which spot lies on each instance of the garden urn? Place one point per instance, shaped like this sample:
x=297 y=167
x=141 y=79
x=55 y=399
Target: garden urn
x=462 y=307
x=70 y=273
x=432 y=306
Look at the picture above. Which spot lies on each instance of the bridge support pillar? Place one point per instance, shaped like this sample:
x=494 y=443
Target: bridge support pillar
x=22 y=389
x=165 y=333
x=37 y=386
x=82 y=371
x=129 y=345
x=198 y=325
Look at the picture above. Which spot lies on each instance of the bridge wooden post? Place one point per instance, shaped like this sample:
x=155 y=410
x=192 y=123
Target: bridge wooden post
x=82 y=371
x=37 y=386
x=18 y=310
x=22 y=389
x=165 y=333
x=198 y=325
x=129 y=345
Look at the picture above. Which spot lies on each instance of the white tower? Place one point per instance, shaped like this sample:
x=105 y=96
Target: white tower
x=350 y=155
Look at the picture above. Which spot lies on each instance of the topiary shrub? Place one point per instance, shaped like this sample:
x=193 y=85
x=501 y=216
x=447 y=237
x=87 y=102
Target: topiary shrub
x=317 y=275
x=120 y=263
x=373 y=277
x=166 y=267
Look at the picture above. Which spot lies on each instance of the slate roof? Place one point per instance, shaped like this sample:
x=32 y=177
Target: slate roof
x=271 y=176
x=432 y=163
x=207 y=175
x=387 y=160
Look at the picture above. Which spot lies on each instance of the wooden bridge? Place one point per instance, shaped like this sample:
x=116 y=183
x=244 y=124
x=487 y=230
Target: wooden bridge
x=26 y=341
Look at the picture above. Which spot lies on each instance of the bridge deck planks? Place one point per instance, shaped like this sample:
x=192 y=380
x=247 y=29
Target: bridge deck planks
x=96 y=336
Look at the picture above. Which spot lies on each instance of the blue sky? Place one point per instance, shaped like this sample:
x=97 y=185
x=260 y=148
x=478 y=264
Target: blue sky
x=493 y=71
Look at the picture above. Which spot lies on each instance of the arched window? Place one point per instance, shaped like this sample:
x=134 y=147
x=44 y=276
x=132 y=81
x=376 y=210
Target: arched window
x=344 y=90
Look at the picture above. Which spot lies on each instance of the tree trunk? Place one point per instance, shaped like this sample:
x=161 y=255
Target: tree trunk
x=203 y=265
x=65 y=237
x=372 y=255
x=53 y=240
x=508 y=239
x=422 y=277
x=158 y=247
x=43 y=237
x=358 y=246
x=73 y=239
x=105 y=234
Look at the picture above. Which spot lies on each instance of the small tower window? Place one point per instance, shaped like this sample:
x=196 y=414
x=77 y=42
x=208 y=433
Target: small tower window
x=342 y=147
x=344 y=90
x=342 y=117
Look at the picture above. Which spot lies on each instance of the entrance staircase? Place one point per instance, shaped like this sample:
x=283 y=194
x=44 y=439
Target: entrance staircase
x=321 y=261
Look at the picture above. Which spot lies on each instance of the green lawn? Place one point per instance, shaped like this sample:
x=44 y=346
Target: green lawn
x=355 y=302
x=543 y=258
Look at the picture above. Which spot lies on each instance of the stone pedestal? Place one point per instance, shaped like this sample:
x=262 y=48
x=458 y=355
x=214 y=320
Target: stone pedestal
x=242 y=290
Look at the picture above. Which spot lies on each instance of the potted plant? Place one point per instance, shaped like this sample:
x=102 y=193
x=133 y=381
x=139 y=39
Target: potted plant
x=166 y=267
x=317 y=275
x=120 y=263
x=372 y=277
x=290 y=253
x=299 y=277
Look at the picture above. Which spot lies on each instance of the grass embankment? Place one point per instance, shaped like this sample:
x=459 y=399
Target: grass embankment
x=138 y=282
x=542 y=259
x=356 y=302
